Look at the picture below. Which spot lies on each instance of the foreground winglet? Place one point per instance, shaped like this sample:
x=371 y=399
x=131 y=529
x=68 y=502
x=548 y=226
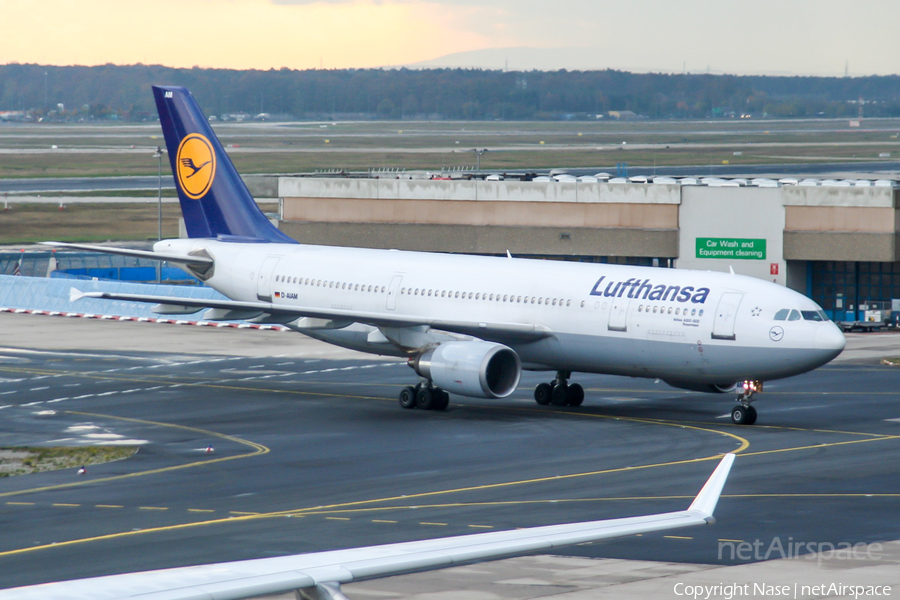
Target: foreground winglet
x=705 y=502
x=75 y=294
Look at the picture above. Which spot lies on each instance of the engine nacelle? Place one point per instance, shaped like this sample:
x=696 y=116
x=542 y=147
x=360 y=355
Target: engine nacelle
x=477 y=369
x=708 y=388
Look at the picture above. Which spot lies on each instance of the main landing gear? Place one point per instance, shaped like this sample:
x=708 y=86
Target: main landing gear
x=746 y=414
x=559 y=392
x=424 y=396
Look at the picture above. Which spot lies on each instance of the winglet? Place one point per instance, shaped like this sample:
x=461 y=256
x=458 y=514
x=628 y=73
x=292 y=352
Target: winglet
x=705 y=502
x=75 y=294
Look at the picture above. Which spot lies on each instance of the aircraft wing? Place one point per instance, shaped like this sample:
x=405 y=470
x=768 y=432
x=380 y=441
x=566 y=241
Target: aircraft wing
x=320 y=574
x=500 y=332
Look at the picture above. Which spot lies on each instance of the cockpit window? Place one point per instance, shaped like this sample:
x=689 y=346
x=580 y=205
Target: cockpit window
x=814 y=315
x=794 y=316
x=782 y=314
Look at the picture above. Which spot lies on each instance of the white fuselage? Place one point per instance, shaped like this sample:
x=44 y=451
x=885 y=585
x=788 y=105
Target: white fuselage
x=677 y=325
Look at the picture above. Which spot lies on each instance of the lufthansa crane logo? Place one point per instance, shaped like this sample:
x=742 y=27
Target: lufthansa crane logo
x=196 y=165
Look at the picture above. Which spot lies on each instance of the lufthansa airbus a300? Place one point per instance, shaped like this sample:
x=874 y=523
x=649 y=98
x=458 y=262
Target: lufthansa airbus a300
x=469 y=325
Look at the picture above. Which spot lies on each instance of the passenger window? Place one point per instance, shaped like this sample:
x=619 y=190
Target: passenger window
x=794 y=316
x=782 y=314
x=700 y=314
x=540 y=300
x=582 y=304
x=655 y=309
x=670 y=310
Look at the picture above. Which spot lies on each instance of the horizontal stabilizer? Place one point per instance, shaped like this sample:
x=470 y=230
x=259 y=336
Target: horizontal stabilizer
x=185 y=259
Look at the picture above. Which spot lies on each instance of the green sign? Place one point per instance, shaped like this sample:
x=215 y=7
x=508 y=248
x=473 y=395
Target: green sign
x=731 y=248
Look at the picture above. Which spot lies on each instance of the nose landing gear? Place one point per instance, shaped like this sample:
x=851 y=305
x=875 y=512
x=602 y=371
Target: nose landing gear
x=745 y=414
x=559 y=392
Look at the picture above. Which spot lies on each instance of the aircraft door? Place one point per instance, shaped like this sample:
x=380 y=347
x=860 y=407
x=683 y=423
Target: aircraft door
x=264 y=279
x=723 y=326
x=393 y=291
x=618 y=315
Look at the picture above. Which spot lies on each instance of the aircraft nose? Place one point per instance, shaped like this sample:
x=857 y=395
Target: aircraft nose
x=830 y=338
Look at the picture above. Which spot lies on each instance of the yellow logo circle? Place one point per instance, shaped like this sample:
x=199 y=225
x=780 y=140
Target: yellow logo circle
x=196 y=165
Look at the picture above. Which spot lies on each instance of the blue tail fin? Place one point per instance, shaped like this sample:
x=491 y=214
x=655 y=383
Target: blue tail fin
x=214 y=200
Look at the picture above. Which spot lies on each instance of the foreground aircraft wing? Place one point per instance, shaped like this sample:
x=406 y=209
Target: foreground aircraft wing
x=505 y=332
x=319 y=575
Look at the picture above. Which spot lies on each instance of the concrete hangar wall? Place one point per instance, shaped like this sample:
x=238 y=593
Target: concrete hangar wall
x=839 y=245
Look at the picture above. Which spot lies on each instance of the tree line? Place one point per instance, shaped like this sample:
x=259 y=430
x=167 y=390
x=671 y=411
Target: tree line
x=122 y=92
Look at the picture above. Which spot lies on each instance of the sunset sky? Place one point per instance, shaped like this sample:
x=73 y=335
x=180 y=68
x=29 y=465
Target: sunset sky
x=818 y=37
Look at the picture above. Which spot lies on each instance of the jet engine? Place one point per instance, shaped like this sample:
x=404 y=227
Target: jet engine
x=708 y=388
x=478 y=369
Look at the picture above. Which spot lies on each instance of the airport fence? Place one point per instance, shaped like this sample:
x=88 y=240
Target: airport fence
x=52 y=295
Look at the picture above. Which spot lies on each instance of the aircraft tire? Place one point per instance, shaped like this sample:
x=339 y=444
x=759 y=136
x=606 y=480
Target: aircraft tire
x=441 y=400
x=751 y=416
x=542 y=393
x=560 y=395
x=740 y=415
x=408 y=397
x=425 y=398
x=576 y=395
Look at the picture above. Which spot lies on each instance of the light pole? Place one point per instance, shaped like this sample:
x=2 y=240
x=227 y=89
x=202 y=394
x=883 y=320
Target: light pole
x=158 y=155
x=478 y=154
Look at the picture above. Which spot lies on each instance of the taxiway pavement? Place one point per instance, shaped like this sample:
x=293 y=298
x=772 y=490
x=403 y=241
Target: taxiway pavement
x=312 y=452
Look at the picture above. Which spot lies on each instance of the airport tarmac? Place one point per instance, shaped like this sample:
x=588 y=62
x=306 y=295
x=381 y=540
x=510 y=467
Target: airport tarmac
x=313 y=453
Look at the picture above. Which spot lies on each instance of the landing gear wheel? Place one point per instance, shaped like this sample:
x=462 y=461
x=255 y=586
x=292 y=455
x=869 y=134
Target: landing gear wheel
x=542 y=393
x=440 y=401
x=425 y=398
x=743 y=415
x=576 y=395
x=751 y=416
x=560 y=395
x=408 y=397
